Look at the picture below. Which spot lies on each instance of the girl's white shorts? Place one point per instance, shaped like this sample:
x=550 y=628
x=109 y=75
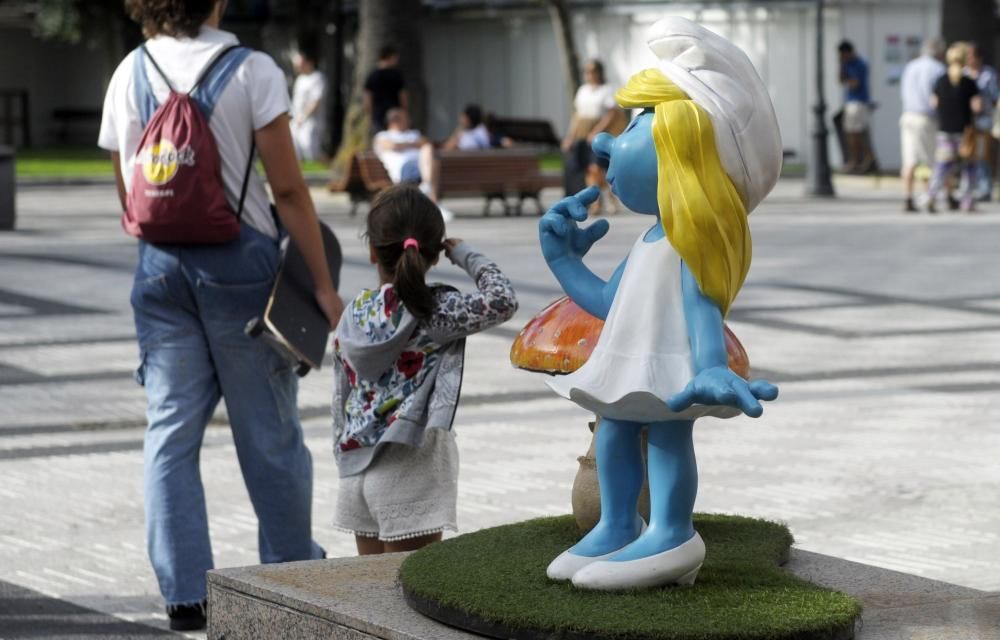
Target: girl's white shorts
x=406 y=492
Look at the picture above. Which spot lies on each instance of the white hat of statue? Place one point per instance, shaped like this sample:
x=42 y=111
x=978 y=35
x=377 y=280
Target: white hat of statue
x=719 y=78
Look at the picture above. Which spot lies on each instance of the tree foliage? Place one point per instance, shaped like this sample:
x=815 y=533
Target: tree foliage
x=88 y=22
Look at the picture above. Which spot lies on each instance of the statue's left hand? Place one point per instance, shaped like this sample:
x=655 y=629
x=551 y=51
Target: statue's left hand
x=720 y=386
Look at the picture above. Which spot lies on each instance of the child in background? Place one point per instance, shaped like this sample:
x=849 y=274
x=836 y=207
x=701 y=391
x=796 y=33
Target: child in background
x=399 y=353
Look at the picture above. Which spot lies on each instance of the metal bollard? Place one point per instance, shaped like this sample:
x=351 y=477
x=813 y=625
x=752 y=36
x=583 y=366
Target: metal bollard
x=7 y=184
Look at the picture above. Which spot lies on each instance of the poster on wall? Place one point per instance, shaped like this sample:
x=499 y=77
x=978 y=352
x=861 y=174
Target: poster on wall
x=893 y=50
x=892 y=57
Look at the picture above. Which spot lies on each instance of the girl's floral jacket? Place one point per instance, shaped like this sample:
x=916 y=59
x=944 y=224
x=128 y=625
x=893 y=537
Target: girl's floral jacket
x=395 y=375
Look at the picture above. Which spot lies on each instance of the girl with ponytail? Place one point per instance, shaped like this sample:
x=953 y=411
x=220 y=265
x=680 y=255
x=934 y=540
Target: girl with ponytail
x=398 y=354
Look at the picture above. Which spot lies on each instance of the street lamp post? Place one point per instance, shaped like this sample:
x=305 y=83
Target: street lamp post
x=818 y=182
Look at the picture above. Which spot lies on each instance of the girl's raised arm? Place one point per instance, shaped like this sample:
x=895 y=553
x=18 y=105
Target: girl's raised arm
x=457 y=315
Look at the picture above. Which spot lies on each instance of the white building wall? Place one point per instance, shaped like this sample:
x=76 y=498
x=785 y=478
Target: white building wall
x=510 y=64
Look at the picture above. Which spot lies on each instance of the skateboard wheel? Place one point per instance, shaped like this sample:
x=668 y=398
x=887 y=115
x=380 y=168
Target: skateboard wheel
x=302 y=369
x=254 y=328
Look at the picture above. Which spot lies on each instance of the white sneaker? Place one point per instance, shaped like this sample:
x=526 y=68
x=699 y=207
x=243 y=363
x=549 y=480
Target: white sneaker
x=679 y=565
x=446 y=214
x=567 y=564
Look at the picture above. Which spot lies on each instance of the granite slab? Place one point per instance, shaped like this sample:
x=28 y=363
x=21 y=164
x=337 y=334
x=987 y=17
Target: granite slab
x=360 y=599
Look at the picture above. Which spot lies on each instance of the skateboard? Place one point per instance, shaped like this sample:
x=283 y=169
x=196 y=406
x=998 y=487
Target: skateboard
x=293 y=322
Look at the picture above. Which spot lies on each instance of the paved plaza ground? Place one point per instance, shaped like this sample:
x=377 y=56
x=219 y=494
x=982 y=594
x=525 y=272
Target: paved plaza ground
x=883 y=331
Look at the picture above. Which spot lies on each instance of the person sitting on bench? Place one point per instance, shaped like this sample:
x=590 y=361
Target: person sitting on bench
x=408 y=156
x=471 y=133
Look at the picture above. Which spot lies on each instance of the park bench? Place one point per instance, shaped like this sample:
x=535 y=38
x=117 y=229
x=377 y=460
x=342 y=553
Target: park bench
x=527 y=131
x=354 y=184
x=493 y=173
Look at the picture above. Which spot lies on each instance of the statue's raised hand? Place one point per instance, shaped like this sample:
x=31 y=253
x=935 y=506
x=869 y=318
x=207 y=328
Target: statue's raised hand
x=561 y=236
x=720 y=386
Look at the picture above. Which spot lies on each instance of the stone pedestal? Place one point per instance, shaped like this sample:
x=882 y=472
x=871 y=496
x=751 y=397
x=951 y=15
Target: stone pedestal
x=359 y=599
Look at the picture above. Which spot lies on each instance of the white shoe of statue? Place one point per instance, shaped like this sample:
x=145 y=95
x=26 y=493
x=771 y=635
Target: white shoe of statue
x=679 y=566
x=567 y=564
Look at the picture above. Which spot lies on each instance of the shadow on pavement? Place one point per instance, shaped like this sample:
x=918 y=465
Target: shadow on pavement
x=28 y=614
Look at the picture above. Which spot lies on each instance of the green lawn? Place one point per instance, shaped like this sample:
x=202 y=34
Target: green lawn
x=63 y=163
x=68 y=163
x=497 y=577
x=551 y=162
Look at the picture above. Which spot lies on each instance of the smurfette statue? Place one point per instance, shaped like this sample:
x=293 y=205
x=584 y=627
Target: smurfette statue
x=704 y=151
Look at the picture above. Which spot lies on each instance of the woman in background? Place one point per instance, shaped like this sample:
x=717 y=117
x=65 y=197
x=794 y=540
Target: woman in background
x=956 y=99
x=594 y=111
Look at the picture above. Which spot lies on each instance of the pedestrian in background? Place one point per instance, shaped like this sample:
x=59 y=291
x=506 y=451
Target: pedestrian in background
x=989 y=90
x=918 y=125
x=594 y=111
x=385 y=89
x=471 y=134
x=857 y=109
x=308 y=113
x=956 y=100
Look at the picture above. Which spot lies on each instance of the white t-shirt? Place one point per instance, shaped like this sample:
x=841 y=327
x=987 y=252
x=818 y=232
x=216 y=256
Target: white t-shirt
x=393 y=161
x=477 y=138
x=593 y=102
x=309 y=88
x=254 y=97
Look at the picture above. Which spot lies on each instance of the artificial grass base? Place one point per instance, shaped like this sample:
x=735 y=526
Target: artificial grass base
x=493 y=582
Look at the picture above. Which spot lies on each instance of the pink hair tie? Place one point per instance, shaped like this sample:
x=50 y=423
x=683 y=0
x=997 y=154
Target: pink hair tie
x=411 y=242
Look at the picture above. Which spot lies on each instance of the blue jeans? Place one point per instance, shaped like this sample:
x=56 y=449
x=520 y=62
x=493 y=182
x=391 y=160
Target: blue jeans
x=191 y=304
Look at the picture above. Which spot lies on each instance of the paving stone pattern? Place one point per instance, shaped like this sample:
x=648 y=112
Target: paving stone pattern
x=883 y=331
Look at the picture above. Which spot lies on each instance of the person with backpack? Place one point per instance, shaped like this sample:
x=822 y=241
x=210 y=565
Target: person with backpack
x=184 y=118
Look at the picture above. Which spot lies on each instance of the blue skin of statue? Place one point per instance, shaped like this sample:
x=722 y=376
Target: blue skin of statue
x=672 y=470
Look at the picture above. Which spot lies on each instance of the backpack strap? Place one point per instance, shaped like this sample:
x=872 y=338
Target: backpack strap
x=159 y=71
x=217 y=74
x=246 y=178
x=206 y=89
x=144 y=98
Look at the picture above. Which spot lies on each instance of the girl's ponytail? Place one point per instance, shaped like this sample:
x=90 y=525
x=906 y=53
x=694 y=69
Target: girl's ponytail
x=409 y=282
x=406 y=231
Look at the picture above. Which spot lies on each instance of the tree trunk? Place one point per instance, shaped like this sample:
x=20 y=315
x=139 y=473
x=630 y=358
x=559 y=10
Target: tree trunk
x=382 y=22
x=561 y=23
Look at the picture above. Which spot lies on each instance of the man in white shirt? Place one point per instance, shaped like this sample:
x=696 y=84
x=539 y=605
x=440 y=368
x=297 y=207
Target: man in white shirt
x=918 y=124
x=407 y=155
x=471 y=134
x=308 y=94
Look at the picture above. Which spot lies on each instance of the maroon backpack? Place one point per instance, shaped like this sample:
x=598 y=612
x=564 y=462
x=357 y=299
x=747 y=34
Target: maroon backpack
x=177 y=194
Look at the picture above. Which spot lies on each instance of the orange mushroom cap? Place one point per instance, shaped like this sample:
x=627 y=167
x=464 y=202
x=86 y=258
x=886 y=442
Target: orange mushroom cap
x=562 y=336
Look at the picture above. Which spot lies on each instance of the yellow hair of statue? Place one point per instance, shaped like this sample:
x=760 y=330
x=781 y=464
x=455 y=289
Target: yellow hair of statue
x=701 y=212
